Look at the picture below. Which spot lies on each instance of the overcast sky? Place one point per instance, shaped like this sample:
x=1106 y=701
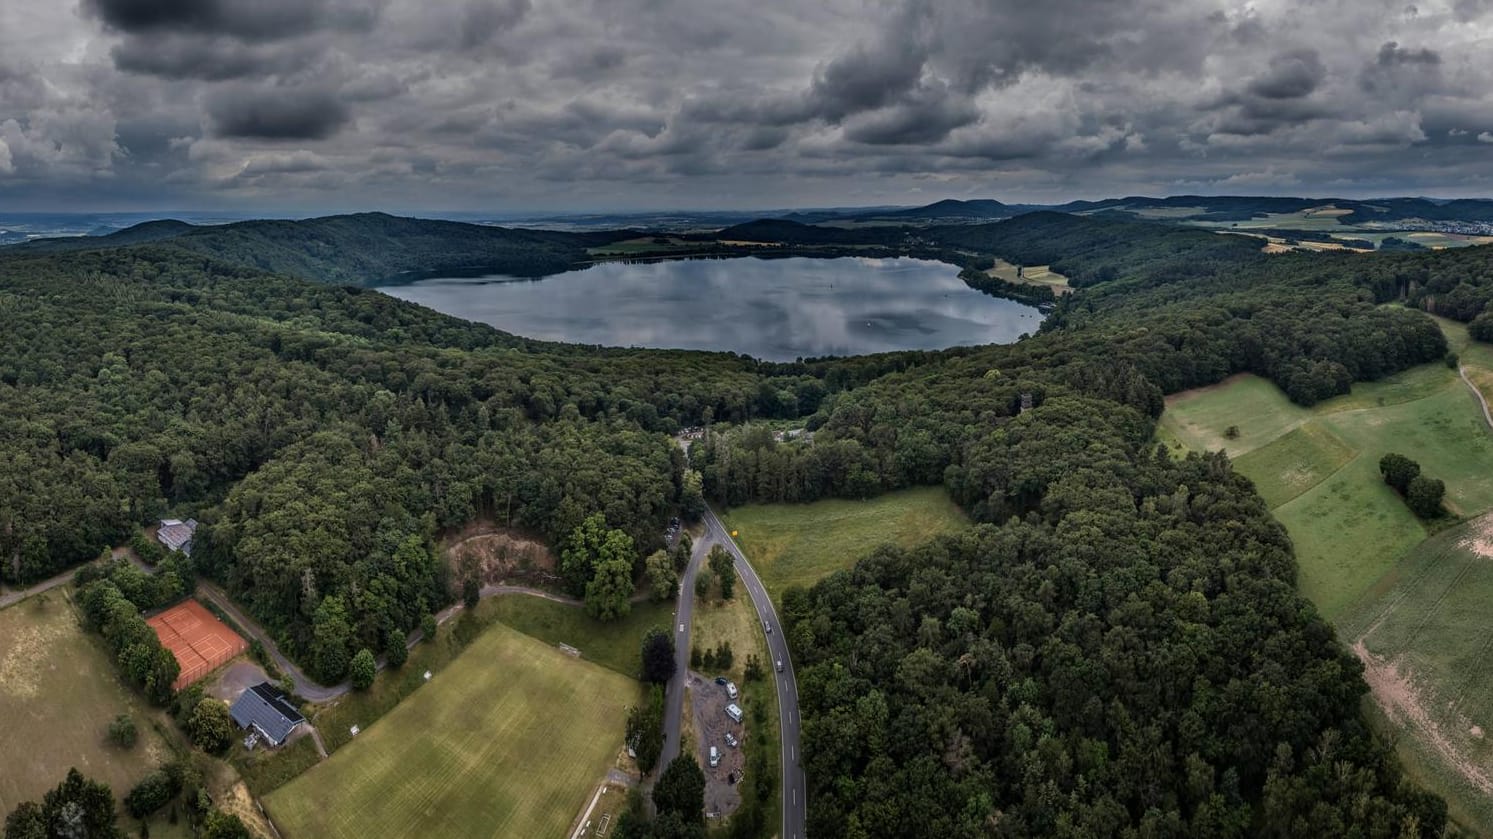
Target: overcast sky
x=518 y=105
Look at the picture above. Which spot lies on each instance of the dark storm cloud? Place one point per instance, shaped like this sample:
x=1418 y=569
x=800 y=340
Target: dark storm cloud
x=276 y=114
x=644 y=102
x=247 y=19
x=1291 y=75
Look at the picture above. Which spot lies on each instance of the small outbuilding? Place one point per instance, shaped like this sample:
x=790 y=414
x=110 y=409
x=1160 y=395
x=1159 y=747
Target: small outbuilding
x=177 y=535
x=265 y=708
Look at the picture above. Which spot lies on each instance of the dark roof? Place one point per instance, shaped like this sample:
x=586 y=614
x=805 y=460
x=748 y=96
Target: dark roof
x=266 y=708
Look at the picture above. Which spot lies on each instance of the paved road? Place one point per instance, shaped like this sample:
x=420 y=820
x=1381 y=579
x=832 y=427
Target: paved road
x=794 y=786
x=683 y=623
x=49 y=583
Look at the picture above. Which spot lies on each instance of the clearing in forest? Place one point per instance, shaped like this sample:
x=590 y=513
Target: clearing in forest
x=509 y=740
x=798 y=544
x=1030 y=275
x=58 y=693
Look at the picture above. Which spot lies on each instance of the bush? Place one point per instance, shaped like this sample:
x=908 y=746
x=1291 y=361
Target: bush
x=1398 y=471
x=427 y=628
x=122 y=732
x=152 y=793
x=396 y=651
x=363 y=669
x=1452 y=360
x=658 y=656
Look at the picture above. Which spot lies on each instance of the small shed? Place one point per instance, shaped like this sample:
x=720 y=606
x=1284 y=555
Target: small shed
x=265 y=709
x=177 y=535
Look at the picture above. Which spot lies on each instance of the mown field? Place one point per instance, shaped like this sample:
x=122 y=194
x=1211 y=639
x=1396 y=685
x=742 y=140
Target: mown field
x=509 y=740
x=616 y=645
x=1030 y=275
x=798 y=544
x=58 y=694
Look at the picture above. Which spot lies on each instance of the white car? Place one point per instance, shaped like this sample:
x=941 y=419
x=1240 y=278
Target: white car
x=767 y=626
x=731 y=689
x=730 y=739
x=715 y=757
x=780 y=665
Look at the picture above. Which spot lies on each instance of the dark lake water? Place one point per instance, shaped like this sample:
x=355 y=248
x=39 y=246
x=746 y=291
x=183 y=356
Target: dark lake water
x=774 y=309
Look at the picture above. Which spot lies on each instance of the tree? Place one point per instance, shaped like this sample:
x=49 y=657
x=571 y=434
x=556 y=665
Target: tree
x=331 y=637
x=609 y=594
x=578 y=557
x=210 y=726
x=428 y=627
x=681 y=789
x=471 y=591
x=122 y=731
x=363 y=669
x=26 y=822
x=692 y=495
x=724 y=567
x=1398 y=471
x=702 y=583
x=1424 y=495
x=658 y=656
x=645 y=729
x=681 y=552
x=396 y=649
x=78 y=807
x=663 y=580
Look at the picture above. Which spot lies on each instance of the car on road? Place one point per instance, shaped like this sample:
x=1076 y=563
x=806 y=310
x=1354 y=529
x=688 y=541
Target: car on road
x=780 y=665
x=767 y=626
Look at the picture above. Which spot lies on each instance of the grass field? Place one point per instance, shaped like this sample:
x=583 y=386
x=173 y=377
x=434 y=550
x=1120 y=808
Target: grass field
x=797 y=544
x=616 y=645
x=509 y=740
x=1318 y=467
x=58 y=694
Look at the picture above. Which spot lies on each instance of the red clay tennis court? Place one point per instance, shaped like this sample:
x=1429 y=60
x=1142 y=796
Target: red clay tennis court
x=197 y=638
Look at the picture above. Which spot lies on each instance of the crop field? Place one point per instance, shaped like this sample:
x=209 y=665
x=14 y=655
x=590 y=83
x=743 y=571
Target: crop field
x=58 y=694
x=1030 y=275
x=509 y=740
x=1426 y=645
x=797 y=544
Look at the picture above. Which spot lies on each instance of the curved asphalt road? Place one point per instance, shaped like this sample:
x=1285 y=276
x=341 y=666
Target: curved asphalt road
x=794 y=787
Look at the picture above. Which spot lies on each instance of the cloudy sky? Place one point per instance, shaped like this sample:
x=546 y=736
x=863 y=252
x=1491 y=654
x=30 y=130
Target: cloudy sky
x=518 y=105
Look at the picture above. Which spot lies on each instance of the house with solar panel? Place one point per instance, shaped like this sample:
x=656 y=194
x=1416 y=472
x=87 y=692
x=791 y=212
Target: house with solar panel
x=266 y=711
x=177 y=535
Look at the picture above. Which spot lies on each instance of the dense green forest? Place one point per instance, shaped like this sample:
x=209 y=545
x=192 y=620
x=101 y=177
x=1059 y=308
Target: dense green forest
x=1118 y=648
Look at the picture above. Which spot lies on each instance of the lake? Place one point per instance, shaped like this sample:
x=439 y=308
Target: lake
x=773 y=309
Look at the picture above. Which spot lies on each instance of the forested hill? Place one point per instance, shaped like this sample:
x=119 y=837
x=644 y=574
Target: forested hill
x=363 y=249
x=1116 y=649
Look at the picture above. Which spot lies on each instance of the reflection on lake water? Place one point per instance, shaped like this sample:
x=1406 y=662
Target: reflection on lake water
x=774 y=309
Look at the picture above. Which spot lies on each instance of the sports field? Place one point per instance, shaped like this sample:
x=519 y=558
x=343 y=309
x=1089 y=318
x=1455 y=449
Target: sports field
x=509 y=740
x=58 y=694
x=200 y=642
x=797 y=544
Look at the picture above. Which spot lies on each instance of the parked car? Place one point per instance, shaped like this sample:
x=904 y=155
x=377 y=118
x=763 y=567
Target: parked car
x=734 y=712
x=715 y=757
x=731 y=689
x=730 y=739
x=720 y=680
